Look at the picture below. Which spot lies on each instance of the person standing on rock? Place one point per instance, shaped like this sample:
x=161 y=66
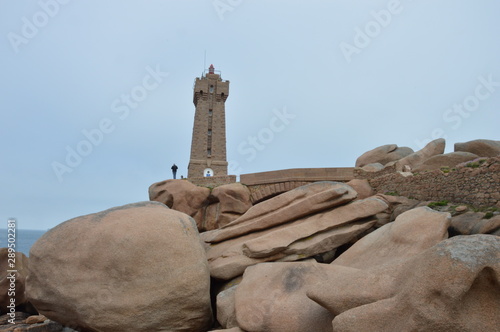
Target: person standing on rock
x=174 y=170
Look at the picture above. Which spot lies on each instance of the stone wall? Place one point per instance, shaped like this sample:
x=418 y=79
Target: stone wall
x=477 y=186
x=341 y=174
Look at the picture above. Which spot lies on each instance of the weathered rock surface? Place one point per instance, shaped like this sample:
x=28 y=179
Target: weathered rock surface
x=16 y=279
x=425 y=291
x=411 y=233
x=383 y=155
x=210 y=210
x=272 y=297
x=228 y=202
x=295 y=240
x=105 y=271
x=453 y=286
x=35 y=319
x=445 y=160
x=226 y=312
x=415 y=159
x=374 y=167
x=474 y=223
x=183 y=196
x=280 y=239
x=234 y=329
x=362 y=187
x=366 y=272
x=286 y=207
x=480 y=147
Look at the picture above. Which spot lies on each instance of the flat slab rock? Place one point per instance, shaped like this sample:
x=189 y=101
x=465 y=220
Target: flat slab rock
x=294 y=204
x=298 y=239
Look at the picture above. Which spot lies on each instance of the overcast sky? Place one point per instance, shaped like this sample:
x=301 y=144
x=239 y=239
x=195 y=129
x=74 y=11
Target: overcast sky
x=96 y=96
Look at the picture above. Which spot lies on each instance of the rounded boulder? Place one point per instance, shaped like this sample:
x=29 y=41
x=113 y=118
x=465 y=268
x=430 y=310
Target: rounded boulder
x=137 y=267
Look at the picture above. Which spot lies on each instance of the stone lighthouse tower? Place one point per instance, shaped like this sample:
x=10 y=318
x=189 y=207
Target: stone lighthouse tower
x=208 y=145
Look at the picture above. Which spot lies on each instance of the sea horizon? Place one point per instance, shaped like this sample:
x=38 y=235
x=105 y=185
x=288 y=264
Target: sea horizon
x=24 y=239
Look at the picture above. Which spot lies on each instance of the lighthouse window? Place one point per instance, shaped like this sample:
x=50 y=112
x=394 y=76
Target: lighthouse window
x=210 y=112
x=211 y=89
x=209 y=152
x=210 y=132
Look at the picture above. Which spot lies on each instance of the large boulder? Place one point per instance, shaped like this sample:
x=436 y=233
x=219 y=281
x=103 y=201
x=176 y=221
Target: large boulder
x=383 y=155
x=453 y=286
x=13 y=282
x=415 y=159
x=210 y=209
x=272 y=297
x=480 y=147
x=228 y=203
x=138 y=267
x=409 y=278
x=183 y=196
x=411 y=233
x=445 y=160
x=366 y=272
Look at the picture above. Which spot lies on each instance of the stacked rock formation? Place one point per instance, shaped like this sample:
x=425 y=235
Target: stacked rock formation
x=430 y=157
x=304 y=222
x=405 y=276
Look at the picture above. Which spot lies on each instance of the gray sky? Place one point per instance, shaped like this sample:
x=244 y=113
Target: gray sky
x=111 y=81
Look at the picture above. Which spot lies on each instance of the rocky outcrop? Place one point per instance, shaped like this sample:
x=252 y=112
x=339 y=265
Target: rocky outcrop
x=228 y=202
x=412 y=232
x=268 y=288
x=445 y=160
x=183 y=196
x=452 y=286
x=273 y=296
x=375 y=167
x=415 y=159
x=291 y=205
x=109 y=270
x=383 y=155
x=474 y=223
x=210 y=209
x=226 y=313
x=480 y=147
x=405 y=276
x=279 y=229
x=12 y=282
x=362 y=187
